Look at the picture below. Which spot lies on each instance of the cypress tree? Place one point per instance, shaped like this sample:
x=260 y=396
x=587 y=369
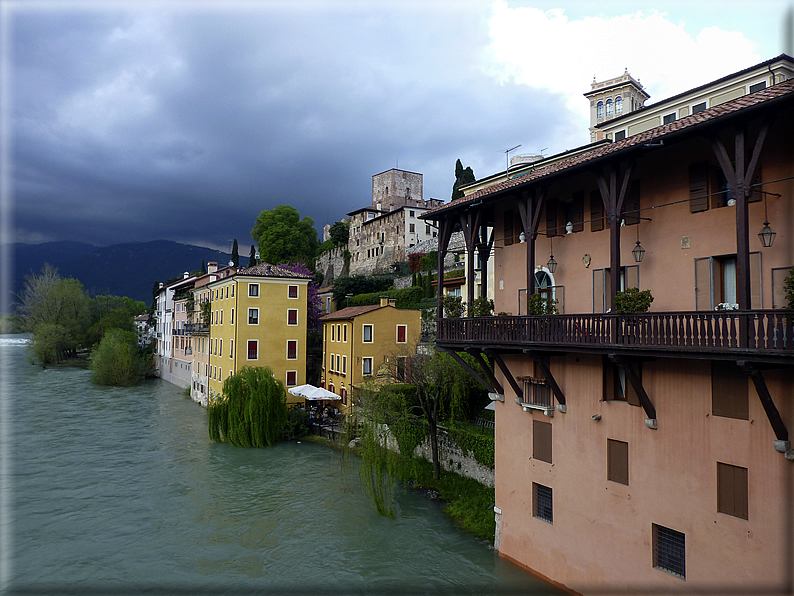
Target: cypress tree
x=252 y=257
x=203 y=267
x=235 y=254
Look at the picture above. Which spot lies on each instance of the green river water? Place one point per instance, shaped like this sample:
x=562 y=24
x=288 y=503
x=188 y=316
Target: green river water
x=119 y=490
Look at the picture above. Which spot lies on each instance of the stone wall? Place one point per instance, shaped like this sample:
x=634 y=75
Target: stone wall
x=452 y=459
x=331 y=264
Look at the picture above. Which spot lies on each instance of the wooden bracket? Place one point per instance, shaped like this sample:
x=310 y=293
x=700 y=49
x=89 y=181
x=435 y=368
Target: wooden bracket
x=506 y=371
x=782 y=442
x=555 y=388
x=636 y=383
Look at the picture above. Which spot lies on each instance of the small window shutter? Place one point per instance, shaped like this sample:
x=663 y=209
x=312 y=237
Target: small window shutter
x=596 y=212
x=699 y=187
x=703 y=284
x=618 y=461
x=608 y=370
x=508 y=228
x=631 y=205
x=551 y=217
x=732 y=490
x=541 y=440
x=756 y=301
x=578 y=211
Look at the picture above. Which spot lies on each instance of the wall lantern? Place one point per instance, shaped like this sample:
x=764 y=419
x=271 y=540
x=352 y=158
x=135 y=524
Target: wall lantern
x=552 y=264
x=638 y=252
x=767 y=234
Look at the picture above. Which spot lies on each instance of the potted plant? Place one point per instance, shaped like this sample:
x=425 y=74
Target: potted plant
x=542 y=305
x=632 y=301
x=481 y=307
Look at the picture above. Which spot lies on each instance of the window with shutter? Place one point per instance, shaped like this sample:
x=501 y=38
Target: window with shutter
x=541 y=440
x=732 y=490
x=551 y=218
x=729 y=391
x=618 y=461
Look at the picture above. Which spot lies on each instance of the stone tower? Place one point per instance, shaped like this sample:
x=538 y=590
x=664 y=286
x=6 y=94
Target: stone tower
x=612 y=98
x=396 y=188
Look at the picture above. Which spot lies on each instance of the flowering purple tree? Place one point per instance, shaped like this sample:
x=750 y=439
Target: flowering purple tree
x=312 y=297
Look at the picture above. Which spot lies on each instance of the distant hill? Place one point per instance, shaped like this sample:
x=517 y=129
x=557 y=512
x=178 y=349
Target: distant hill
x=121 y=269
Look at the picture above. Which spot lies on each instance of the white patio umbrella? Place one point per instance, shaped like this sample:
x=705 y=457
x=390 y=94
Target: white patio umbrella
x=313 y=393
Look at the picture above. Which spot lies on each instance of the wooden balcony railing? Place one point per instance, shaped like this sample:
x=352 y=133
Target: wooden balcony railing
x=769 y=331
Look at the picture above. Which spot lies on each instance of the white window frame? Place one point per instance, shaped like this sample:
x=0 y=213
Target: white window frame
x=296 y=349
x=250 y=309
x=297 y=292
x=364 y=361
x=295 y=310
x=286 y=378
x=248 y=350
x=364 y=333
x=397 y=334
x=253 y=290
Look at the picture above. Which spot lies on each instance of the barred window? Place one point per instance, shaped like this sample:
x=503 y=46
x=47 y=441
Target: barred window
x=669 y=551
x=542 y=506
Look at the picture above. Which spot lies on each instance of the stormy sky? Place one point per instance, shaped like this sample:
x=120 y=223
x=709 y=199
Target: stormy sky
x=183 y=120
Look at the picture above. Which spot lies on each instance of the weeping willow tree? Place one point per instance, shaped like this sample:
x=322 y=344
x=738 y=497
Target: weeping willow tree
x=252 y=410
x=393 y=421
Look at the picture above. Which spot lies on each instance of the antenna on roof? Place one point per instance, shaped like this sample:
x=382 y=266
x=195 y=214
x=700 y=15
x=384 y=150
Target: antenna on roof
x=507 y=161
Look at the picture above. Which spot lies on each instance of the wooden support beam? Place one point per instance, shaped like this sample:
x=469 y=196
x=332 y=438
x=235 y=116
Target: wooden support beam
x=529 y=208
x=778 y=426
x=613 y=195
x=555 y=388
x=444 y=235
x=636 y=383
x=478 y=355
x=456 y=357
x=506 y=371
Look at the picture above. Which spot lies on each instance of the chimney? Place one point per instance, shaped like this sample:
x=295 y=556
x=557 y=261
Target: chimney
x=384 y=301
x=185 y=275
x=393 y=302
x=212 y=267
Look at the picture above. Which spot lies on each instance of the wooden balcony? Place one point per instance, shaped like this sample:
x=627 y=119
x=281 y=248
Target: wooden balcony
x=766 y=335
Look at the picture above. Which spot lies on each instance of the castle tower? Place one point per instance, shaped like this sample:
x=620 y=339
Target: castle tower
x=396 y=188
x=612 y=98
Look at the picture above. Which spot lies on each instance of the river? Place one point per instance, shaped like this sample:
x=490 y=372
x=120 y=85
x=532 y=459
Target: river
x=119 y=490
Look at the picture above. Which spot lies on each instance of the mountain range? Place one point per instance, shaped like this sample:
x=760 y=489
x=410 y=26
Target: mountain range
x=129 y=269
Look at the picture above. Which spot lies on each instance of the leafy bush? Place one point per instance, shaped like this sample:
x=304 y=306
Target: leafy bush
x=429 y=261
x=632 y=300
x=117 y=360
x=297 y=425
x=481 y=307
x=360 y=284
x=480 y=446
x=453 y=306
x=406 y=298
x=542 y=305
x=414 y=262
x=788 y=288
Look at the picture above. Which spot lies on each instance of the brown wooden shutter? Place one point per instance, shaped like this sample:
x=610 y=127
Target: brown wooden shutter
x=703 y=283
x=618 y=461
x=541 y=440
x=578 y=211
x=508 y=228
x=732 y=490
x=596 y=212
x=551 y=217
x=631 y=206
x=699 y=187
x=729 y=394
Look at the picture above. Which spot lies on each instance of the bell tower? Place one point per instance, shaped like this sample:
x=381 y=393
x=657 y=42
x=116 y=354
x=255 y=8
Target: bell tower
x=612 y=98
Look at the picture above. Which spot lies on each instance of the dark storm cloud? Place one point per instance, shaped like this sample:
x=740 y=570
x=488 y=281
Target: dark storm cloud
x=185 y=124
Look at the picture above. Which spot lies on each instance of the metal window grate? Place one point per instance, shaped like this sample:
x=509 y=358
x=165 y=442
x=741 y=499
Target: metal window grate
x=542 y=497
x=669 y=551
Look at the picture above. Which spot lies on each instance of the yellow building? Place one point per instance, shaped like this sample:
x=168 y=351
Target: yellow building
x=358 y=340
x=258 y=318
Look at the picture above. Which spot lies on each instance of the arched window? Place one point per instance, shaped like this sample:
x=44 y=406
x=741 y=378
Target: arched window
x=600 y=109
x=609 y=107
x=618 y=105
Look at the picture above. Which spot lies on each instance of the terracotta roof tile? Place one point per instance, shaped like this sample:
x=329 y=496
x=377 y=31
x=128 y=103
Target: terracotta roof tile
x=350 y=312
x=268 y=270
x=654 y=134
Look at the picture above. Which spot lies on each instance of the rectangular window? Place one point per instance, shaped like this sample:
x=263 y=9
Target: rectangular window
x=618 y=461
x=221 y=321
x=758 y=87
x=729 y=392
x=333 y=333
x=292 y=349
x=715 y=281
x=344 y=365
x=232 y=291
x=231 y=348
x=227 y=291
x=699 y=187
x=253 y=290
x=293 y=291
x=620 y=135
x=331 y=363
x=366 y=366
x=732 y=490
x=253 y=349
x=402 y=332
x=232 y=321
x=669 y=118
x=574 y=212
x=292 y=316
x=339 y=332
x=617 y=386
x=541 y=440
x=698 y=107
x=669 y=551
x=338 y=363
x=427 y=229
x=779 y=275
x=412 y=228
x=253 y=316
x=367 y=334
x=602 y=285
x=220 y=348
x=542 y=502
x=344 y=333
x=292 y=378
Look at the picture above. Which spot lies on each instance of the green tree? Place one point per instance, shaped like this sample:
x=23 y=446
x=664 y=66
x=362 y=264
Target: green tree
x=283 y=237
x=203 y=268
x=111 y=312
x=462 y=177
x=252 y=257
x=360 y=284
x=117 y=360
x=251 y=412
x=56 y=310
x=235 y=254
x=340 y=232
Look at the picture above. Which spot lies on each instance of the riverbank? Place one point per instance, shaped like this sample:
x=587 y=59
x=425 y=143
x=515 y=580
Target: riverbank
x=469 y=503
